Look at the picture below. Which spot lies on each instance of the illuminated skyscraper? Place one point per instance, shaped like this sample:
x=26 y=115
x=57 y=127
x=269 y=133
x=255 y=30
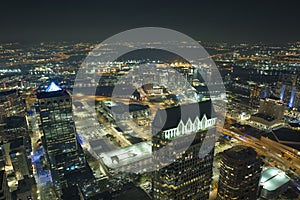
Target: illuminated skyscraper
x=189 y=175
x=55 y=110
x=240 y=171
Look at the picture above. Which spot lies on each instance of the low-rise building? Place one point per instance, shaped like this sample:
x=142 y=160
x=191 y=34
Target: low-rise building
x=273 y=182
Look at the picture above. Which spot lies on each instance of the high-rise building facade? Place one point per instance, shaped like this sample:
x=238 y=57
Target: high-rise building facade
x=19 y=159
x=4 y=189
x=240 y=172
x=59 y=135
x=189 y=175
x=2 y=159
x=11 y=104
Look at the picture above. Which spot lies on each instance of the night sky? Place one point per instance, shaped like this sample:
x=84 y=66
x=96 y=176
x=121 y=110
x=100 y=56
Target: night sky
x=210 y=20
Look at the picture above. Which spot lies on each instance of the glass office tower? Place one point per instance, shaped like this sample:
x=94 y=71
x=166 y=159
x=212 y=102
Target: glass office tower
x=240 y=171
x=59 y=134
x=189 y=175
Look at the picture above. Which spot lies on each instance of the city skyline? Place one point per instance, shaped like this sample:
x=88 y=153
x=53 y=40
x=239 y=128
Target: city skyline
x=149 y=100
x=116 y=141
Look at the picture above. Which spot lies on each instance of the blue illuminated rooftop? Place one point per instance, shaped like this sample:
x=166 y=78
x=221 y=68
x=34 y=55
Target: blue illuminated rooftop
x=53 y=88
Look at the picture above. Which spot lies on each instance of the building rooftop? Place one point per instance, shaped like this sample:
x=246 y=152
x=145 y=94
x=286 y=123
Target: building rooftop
x=42 y=95
x=295 y=125
x=271 y=98
x=7 y=92
x=249 y=130
x=120 y=108
x=122 y=157
x=170 y=117
x=101 y=146
x=121 y=89
x=15 y=122
x=16 y=143
x=273 y=178
x=26 y=184
x=129 y=192
x=240 y=153
x=265 y=117
x=285 y=136
x=53 y=88
x=71 y=192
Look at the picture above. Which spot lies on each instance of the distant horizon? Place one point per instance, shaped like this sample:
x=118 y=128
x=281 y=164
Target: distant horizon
x=99 y=41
